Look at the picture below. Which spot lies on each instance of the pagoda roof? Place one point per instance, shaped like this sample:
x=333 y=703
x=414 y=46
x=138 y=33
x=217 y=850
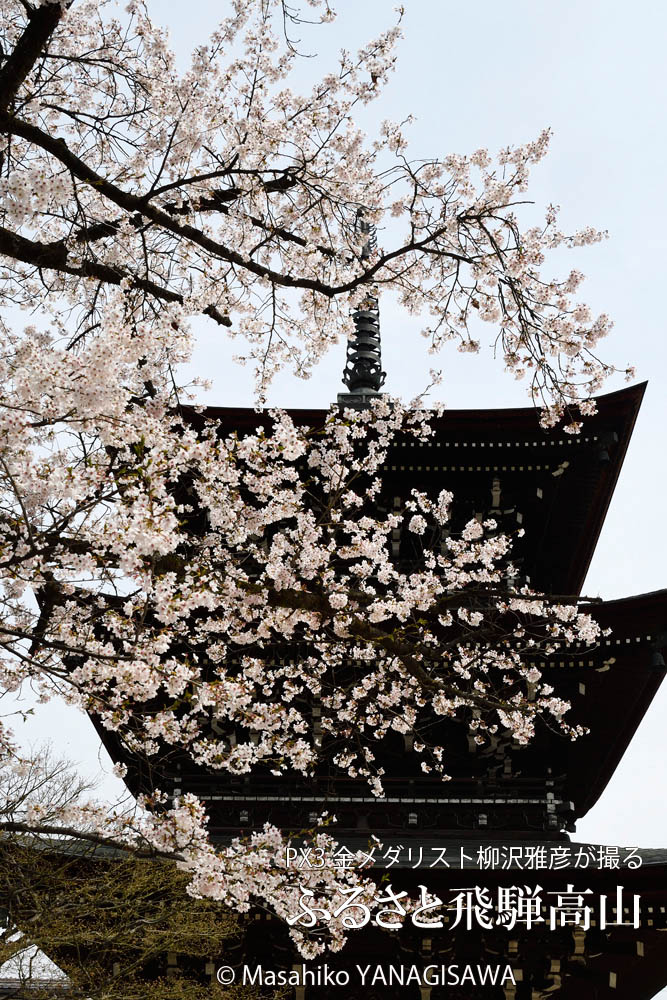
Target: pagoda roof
x=556 y=485
x=610 y=690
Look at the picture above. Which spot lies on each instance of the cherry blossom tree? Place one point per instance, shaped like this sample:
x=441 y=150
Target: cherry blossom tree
x=152 y=563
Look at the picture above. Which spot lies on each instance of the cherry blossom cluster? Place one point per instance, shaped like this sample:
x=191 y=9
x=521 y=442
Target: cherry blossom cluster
x=175 y=568
x=225 y=190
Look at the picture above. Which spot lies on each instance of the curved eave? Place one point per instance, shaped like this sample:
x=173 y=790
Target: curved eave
x=470 y=445
x=616 y=694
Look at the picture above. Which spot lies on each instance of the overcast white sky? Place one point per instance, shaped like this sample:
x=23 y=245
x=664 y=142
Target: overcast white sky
x=489 y=74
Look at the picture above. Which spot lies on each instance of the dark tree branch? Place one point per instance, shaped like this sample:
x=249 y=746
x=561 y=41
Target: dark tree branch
x=42 y=22
x=54 y=256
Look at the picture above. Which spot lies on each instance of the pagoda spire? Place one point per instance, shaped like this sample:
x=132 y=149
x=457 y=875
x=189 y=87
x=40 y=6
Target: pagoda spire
x=363 y=373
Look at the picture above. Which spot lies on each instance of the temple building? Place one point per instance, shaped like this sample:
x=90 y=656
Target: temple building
x=506 y=818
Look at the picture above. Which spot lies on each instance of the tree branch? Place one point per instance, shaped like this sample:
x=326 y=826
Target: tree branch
x=42 y=22
x=53 y=256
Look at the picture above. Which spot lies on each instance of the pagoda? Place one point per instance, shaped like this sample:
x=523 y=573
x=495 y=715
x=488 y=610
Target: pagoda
x=513 y=805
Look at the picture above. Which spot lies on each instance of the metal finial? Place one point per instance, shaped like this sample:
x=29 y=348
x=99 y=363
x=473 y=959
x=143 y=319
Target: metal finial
x=363 y=373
